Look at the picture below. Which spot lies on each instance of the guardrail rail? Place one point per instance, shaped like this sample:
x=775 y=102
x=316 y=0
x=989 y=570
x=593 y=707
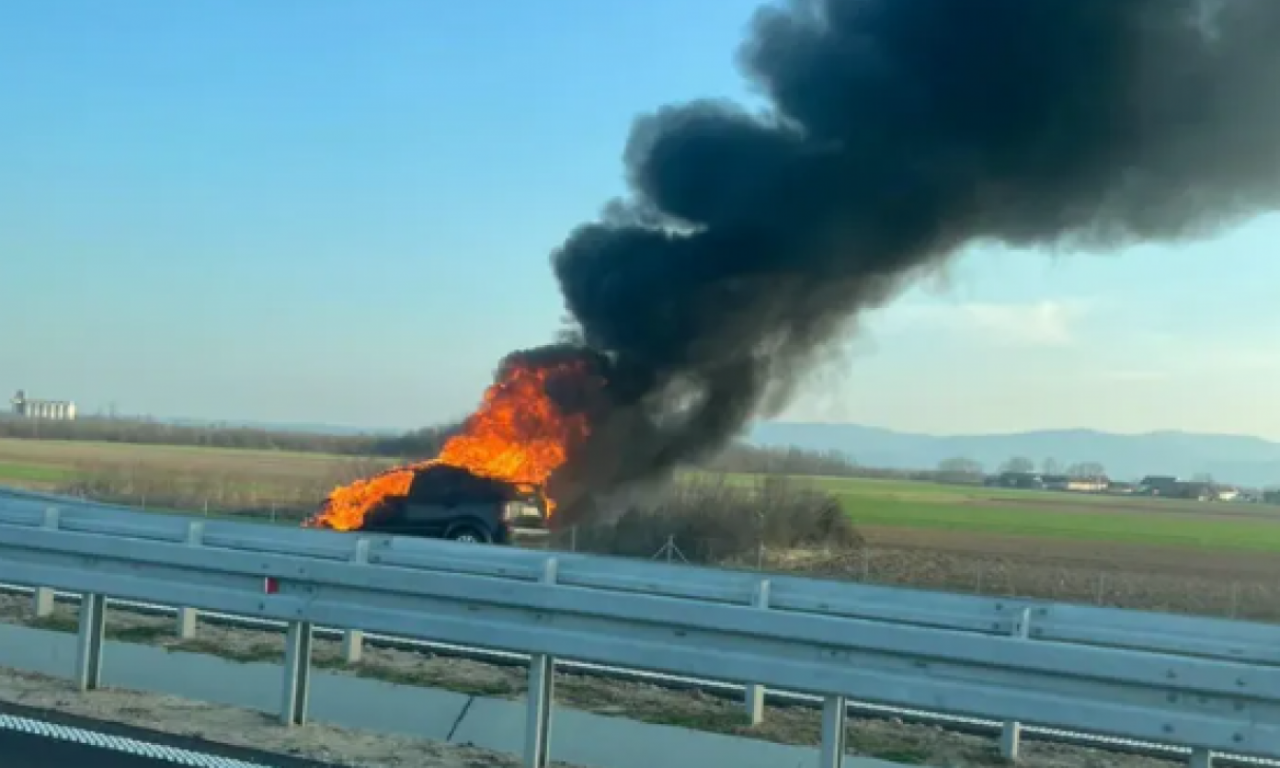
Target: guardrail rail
x=1209 y=686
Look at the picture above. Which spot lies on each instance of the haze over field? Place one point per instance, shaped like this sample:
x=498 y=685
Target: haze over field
x=1229 y=458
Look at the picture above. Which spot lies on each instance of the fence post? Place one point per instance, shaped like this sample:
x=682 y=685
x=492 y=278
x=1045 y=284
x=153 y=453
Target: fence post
x=187 y=617
x=93 y=622
x=755 y=691
x=1235 y=599
x=1011 y=732
x=1102 y=588
x=297 y=673
x=1201 y=758
x=835 y=716
x=542 y=671
x=353 y=639
x=42 y=600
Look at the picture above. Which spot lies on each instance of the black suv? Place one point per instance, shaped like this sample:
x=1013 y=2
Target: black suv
x=451 y=503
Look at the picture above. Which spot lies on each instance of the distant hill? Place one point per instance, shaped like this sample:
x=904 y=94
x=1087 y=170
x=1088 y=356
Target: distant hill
x=1250 y=461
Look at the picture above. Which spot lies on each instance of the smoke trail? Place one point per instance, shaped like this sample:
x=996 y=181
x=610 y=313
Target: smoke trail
x=901 y=130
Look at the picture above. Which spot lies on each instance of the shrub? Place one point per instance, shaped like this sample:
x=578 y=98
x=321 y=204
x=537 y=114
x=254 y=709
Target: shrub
x=712 y=520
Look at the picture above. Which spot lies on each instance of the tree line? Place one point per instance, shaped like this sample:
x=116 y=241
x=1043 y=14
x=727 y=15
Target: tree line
x=426 y=441
x=414 y=444
x=965 y=469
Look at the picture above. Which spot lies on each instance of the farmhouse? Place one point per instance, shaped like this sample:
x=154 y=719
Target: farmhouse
x=1026 y=480
x=1056 y=482
x=1158 y=485
x=1088 y=484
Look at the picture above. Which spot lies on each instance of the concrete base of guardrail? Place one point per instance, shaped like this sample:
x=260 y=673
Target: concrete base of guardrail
x=580 y=738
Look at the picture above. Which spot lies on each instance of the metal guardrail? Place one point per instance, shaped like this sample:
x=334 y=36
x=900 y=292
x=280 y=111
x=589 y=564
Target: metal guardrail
x=1206 y=685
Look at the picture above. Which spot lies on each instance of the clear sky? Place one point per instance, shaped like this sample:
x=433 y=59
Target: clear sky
x=342 y=212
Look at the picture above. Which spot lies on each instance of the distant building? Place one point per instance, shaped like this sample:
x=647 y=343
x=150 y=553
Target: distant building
x=51 y=410
x=1228 y=493
x=1195 y=491
x=1088 y=484
x=1055 y=482
x=1024 y=480
x=1159 y=485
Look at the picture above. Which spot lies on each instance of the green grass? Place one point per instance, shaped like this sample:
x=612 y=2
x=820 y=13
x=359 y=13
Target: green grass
x=1234 y=533
x=34 y=474
x=1046 y=514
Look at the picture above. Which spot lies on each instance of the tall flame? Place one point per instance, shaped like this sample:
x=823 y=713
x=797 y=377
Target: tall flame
x=518 y=435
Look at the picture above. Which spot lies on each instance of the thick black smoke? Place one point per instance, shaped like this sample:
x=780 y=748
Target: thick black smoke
x=901 y=130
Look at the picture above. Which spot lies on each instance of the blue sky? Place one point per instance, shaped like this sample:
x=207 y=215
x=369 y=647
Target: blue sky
x=342 y=212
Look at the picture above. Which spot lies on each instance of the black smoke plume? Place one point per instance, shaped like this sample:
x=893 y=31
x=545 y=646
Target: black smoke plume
x=899 y=131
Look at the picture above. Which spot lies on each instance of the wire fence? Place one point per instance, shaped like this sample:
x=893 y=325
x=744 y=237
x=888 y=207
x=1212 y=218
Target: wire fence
x=1244 y=595
x=1248 y=594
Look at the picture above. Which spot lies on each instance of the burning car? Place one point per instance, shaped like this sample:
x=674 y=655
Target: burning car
x=452 y=503
x=489 y=482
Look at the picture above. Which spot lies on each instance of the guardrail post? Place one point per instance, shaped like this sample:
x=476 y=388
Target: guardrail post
x=93 y=623
x=1011 y=732
x=1201 y=758
x=187 y=617
x=755 y=692
x=542 y=678
x=42 y=600
x=835 y=717
x=353 y=639
x=297 y=673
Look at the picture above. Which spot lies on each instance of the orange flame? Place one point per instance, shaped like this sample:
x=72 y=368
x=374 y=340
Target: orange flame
x=518 y=435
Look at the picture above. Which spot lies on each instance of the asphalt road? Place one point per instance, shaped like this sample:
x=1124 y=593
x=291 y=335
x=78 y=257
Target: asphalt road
x=23 y=750
x=31 y=738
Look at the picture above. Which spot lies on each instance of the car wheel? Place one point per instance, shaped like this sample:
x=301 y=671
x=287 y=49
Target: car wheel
x=467 y=534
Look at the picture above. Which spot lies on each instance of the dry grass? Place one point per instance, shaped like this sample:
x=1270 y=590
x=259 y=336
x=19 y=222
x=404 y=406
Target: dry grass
x=713 y=520
x=279 y=495
x=217 y=481
x=1119 y=578
x=721 y=519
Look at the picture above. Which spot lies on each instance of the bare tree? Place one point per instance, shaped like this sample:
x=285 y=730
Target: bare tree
x=1020 y=464
x=959 y=470
x=1087 y=470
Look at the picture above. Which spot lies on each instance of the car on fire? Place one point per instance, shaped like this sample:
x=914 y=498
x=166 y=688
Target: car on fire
x=451 y=503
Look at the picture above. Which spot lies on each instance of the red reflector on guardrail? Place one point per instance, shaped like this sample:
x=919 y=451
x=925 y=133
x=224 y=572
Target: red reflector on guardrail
x=271 y=586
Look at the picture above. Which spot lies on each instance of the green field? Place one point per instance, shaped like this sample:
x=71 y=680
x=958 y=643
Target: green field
x=34 y=474
x=1045 y=514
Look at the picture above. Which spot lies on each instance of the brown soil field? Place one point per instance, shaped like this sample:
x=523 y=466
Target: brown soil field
x=1135 y=506
x=1175 y=580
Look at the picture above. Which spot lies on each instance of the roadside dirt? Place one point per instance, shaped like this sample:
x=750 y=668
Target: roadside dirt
x=242 y=728
x=884 y=739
